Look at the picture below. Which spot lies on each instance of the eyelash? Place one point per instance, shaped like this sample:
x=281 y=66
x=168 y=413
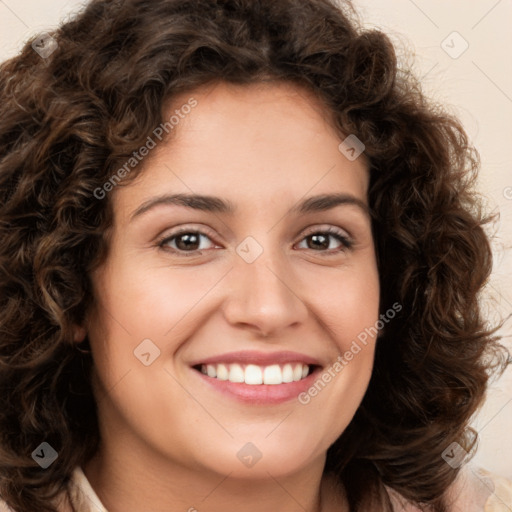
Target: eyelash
x=346 y=242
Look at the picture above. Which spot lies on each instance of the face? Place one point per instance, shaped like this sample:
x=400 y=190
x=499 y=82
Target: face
x=215 y=317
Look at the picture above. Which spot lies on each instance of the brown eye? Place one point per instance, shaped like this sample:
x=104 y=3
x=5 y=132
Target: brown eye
x=321 y=240
x=184 y=241
x=188 y=241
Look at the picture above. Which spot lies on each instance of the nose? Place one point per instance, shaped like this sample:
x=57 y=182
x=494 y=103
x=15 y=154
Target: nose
x=264 y=296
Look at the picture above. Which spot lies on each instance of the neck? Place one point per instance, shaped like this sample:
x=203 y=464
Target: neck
x=125 y=482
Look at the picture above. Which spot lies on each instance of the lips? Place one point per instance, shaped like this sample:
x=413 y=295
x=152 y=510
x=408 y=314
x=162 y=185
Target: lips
x=258 y=377
x=258 y=358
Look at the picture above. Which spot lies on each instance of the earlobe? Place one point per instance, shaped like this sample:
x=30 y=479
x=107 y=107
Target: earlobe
x=79 y=333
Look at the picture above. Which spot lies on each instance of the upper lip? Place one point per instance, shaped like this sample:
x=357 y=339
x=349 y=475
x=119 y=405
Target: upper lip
x=258 y=358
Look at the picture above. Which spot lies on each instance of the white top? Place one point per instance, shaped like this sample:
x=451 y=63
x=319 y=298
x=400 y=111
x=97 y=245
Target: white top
x=476 y=490
x=83 y=496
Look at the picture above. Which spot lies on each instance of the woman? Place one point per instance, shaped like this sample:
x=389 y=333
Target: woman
x=240 y=263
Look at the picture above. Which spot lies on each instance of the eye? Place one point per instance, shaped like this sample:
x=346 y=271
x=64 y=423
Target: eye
x=184 y=241
x=189 y=241
x=320 y=240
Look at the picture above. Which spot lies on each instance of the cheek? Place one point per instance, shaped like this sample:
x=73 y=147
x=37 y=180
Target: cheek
x=141 y=303
x=138 y=302
x=349 y=312
x=349 y=305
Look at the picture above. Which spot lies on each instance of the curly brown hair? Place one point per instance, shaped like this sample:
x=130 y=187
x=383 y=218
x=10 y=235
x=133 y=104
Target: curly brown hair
x=69 y=120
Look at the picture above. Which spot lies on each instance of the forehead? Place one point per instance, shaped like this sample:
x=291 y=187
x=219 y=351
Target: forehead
x=265 y=140
x=256 y=111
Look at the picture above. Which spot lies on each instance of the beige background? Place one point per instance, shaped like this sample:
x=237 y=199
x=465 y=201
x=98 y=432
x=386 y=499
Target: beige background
x=477 y=86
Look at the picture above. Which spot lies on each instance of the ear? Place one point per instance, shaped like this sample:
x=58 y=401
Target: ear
x=80 y=333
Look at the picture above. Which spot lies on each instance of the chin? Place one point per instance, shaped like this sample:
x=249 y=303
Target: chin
x=262 y=457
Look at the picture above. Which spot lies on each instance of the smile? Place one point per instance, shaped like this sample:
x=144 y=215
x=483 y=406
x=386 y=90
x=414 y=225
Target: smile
x=254 y=375
x=257 y=377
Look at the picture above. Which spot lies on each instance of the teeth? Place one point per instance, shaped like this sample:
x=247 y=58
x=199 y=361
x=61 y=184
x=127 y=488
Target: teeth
x=236 y=373
x=272 y=375
x=222 y=372
x=255 y=375
x=297 y=372
x=287 y=373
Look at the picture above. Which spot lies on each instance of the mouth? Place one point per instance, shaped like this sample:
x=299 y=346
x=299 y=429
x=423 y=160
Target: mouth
x=255 y=375
x=254 y=378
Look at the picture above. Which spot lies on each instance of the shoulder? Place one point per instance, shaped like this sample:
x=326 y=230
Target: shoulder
x=82 y=495
x=59 y=503
x=499 y=490
x=78 y=495
x=4 y=507
x=479 y=490
x=475 y=490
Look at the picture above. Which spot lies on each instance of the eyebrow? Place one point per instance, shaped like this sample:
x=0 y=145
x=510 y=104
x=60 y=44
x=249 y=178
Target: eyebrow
x=213 y=204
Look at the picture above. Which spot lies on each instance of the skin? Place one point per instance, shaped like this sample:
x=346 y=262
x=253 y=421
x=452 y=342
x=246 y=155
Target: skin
x=169 y=441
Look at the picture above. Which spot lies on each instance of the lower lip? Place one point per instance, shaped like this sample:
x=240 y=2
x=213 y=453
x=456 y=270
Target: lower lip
x=262 y=393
